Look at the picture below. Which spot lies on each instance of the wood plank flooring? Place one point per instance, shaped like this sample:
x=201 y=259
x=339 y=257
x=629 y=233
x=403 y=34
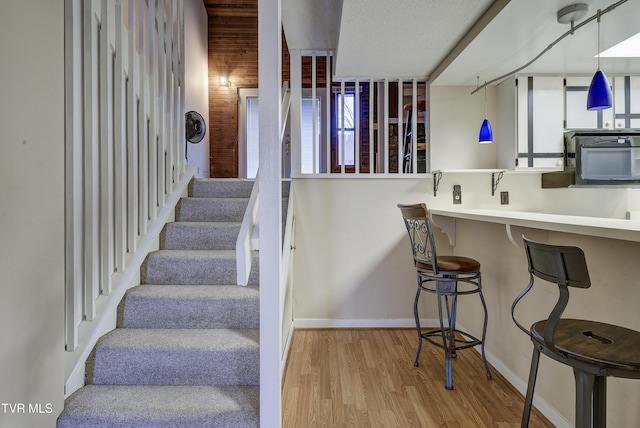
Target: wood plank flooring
x=366 y=378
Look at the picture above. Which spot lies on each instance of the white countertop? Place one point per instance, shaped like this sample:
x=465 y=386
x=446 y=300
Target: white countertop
x=628 y=230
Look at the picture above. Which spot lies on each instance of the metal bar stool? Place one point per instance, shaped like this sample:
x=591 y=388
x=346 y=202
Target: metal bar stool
x=593 y=349
x=448 y=277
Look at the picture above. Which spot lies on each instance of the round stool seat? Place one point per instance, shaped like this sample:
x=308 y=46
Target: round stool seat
x=452 y=264
x=610 y=347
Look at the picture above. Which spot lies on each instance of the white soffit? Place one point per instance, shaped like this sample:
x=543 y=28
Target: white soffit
x=403 y=38
x=311 y=24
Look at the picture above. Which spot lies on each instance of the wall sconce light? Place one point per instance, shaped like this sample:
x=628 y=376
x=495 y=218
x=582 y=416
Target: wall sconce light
x=486 y=133
x=224 y=81
x=599 y=96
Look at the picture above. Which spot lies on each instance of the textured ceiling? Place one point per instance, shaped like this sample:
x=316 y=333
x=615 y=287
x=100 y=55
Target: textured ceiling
x=412 y=37
x=401 y=37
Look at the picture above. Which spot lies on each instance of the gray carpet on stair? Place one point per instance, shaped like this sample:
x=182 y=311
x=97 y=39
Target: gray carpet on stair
x=211 y=209
x=135 y=406
x=128 y=356
x=186 y=351
x=199 y=236
x=220 y=188
x=190 y=306
x=175 y=267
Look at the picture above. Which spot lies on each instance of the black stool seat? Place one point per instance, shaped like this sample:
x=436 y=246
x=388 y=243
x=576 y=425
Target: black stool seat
x=448 y=277
x=610 y=347
x=595 y=350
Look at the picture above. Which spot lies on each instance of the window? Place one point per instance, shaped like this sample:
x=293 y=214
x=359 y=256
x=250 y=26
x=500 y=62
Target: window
x=345 y=125
x=252 y=136
x=248 y=135
x=310 y=155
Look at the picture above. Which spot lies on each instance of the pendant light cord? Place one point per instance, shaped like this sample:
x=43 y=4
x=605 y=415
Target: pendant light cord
x=598 y=53
x=555 y=42
x=485 y=100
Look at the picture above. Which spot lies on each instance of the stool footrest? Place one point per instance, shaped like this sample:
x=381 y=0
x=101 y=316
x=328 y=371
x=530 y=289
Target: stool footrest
x=463 y=340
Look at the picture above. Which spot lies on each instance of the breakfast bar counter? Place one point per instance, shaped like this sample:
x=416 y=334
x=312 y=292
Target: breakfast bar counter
x=518 y=222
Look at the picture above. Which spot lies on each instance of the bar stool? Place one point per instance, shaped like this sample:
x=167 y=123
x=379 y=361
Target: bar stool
x=593 y=349
x=448 y=277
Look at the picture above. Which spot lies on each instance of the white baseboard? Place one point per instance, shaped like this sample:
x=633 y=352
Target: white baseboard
x=544 y=407
x=285 y=353
x=319 y=323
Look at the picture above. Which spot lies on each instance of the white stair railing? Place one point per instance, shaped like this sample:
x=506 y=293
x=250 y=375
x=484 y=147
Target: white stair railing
x=248 y=238
x=246 y=244
x=124 y=110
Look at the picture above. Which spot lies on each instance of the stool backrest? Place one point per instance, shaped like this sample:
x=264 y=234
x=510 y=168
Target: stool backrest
x=558 y=264
x=564 y=266
x=416 y=219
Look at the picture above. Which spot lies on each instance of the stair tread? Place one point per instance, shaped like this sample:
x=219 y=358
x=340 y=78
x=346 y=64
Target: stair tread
x=222 y=254
x=145 y=356
x=195 y=292
x=211 y=224
x=178 y=339
x=185 y=235
x=194 y=267
x=190 y=306
x=162 y=406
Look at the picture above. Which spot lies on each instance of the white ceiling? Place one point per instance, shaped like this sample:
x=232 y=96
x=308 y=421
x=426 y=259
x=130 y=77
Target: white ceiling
x=410 y=38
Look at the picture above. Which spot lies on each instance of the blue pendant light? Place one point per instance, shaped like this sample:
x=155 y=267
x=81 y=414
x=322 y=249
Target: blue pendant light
x=599 y=96
x=486 y=133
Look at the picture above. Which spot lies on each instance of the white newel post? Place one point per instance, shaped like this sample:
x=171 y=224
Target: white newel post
x=269 y=78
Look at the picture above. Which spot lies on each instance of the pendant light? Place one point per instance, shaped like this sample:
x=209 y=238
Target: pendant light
x=486 y=133
x=599 y=96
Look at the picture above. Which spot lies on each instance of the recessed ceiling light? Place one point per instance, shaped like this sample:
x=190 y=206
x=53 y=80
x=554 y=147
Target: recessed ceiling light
x=629 y=48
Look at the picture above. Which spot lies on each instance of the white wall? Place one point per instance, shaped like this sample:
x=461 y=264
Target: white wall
x=197 y=78
x=353 y=263
x=32 y=211
x=456 y=116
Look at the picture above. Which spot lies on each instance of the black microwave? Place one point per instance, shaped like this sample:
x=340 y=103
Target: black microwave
x=607 y=157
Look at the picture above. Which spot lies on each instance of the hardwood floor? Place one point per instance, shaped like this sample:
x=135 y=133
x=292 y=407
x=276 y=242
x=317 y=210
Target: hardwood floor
x=366 y=378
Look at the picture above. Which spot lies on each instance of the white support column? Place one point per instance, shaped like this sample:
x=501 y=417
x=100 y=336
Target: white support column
x=151 y=94
x=73 y=172
x=371 y=151
x=143 y=114
x=314 y=113
x=400 y=130
x=270 y=215
x=90 y=146
x=106 y=148
x=295 y=75
x=341 y=142
x=356 y=138
x=414 y=126
x=427 y=125
x=120 y=136
x=160 y=102
x=327 y=108
x=132 y=136
x=385 y=128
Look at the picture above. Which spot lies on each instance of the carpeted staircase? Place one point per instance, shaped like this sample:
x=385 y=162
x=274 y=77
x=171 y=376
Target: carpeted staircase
x=185 y=352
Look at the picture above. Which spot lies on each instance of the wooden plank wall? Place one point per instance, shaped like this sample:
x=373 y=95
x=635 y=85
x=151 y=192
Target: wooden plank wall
x=233 y=52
